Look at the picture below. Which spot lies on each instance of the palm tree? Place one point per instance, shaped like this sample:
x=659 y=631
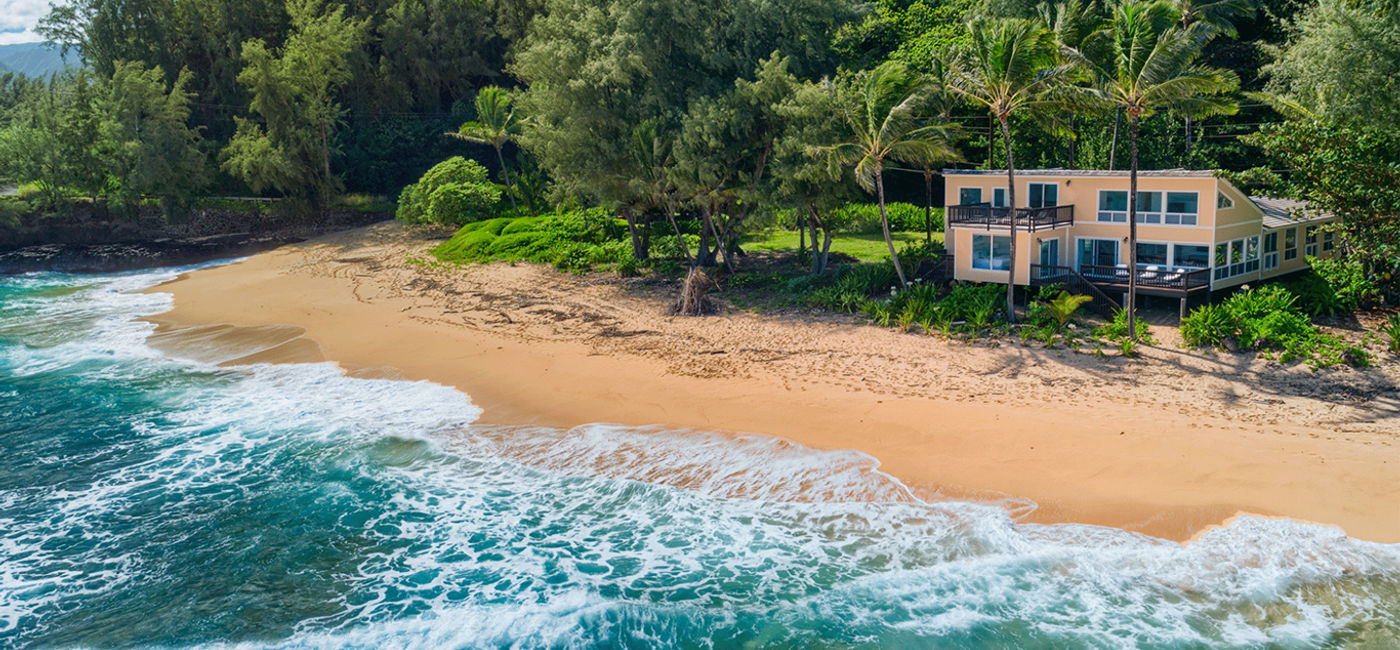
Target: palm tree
x=1218 y=15
x=940 y=102
x=496 y=124
x=1152 y=66
x=1072 y=23
x=1013 y=68
x=879 y=109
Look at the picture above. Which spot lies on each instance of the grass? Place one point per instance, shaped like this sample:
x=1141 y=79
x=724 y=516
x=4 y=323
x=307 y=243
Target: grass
x=866 y=248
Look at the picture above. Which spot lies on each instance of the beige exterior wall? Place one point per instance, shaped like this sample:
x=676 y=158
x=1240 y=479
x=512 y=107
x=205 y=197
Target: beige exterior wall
x=1241 y=220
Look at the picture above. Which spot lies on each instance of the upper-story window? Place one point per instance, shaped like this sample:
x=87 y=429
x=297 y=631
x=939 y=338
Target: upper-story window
x=1222 y=201
x=1182 y=208
x=973 y=196
x=1113 y=206
x=1172 y=208
x=1310 y=241
x=1043 y=195
x=1329 y=241
x=1290 y=243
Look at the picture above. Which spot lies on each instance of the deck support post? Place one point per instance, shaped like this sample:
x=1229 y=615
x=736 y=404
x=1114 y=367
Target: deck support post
x=1181 y=315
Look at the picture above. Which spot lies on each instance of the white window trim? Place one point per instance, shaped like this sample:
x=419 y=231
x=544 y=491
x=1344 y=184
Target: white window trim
x=1074 y=259
x=1171 y=253
x=1004 y=197
x=1160 y=214
x=1228 y=271
x=1220 y=197
x=992 y=241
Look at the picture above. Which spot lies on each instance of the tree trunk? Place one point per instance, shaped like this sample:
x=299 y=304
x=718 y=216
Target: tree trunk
x=1073 y=141
x=991 y=138
x=1113 y=148
x=506 y=176
x=1132 y=229
x=885 y=223
x=1011 y=210
x=928 y=206
x=685 y=248
x=708 y=236
x=802 y=238
x=639 y=252
x=1188 y=134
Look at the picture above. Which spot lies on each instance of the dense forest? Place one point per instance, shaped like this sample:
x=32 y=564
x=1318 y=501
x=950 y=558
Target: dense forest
x=705 y=117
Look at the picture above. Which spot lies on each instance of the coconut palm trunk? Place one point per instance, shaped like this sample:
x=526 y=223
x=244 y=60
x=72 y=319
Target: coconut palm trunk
x=1131 y=305
x=928 y=206
x=1011 y=213
x=885 y=223
x=505 y=175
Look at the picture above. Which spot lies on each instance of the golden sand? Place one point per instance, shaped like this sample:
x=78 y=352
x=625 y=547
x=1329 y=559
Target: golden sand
x=1166 y=445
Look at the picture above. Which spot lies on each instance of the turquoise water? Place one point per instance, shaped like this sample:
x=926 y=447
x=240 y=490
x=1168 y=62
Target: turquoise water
x=148 y=501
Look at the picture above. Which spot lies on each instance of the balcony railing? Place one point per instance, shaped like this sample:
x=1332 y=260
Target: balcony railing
x=986 y=216
x=1166 y=278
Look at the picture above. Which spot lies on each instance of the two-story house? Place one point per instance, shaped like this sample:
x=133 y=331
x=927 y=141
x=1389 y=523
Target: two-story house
x=1197 y=232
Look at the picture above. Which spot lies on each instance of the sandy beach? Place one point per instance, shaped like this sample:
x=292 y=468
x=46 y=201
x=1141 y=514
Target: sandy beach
x=1166 y=445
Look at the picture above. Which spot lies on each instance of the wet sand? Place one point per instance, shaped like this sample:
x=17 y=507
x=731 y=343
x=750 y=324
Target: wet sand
x=1165 y=445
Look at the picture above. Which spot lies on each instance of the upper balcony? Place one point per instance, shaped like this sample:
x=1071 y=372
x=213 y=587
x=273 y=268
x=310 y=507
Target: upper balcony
x=1032 y=219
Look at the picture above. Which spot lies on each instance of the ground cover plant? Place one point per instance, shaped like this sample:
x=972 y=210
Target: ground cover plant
x=1268 y=318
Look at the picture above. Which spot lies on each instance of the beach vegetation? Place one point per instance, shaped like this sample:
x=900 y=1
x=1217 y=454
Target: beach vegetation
x=1268 y=318
x=496 y=124
x=455 y=191
x=1391 y=328
x=575 y=240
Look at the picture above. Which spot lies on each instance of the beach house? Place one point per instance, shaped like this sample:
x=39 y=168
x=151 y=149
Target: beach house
x=1197 y=232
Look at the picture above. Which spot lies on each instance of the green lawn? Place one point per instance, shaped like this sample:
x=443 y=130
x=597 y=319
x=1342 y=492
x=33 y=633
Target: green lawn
x=866 y=248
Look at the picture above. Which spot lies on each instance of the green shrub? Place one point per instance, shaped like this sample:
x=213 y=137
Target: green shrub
x=571 y=240
x=1348 y=280
x=455 y=191
x=868 y=279
x=1392 y=329
x=1267 y=318
x=1117 y=329
x=865 y=217
x=1315 y=296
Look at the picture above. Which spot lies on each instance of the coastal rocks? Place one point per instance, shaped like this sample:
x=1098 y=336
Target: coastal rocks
x=94 y=241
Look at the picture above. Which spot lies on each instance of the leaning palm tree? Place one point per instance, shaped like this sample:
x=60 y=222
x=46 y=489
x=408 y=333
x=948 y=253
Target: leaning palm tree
x=496 y=124
x=1151 y=65
x=940 y=102
x=880 y=111
x=1012 y=68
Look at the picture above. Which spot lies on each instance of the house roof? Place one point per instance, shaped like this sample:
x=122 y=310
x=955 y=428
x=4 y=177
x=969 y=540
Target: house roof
x=1151 y=173
x=1279 y=213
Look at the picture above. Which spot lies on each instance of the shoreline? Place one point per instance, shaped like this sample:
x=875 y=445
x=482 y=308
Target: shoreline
x=1085 y=439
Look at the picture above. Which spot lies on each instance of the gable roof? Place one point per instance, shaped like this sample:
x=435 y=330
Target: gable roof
x=1280 y=213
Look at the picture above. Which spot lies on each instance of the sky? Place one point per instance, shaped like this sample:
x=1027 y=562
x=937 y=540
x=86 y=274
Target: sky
x=18 y=18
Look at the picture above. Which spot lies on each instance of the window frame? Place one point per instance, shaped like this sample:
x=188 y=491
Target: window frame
x=968 y=189
x=1310 y=241
x=991 y=252
x=1290 y=243
x=1042 y=184
x=1270 y=250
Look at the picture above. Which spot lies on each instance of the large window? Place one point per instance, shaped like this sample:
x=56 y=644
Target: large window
x=1191 y=256
x=969 y=196
x=1043 y=195
x=999 y=197
x=1236 y=257
x=1173 y=208
x=1270 y=251
x=1098 y=252
x=1050 y=252
x=1182 y=208
x=1113 y=206
x=1151 y=254
x=1149 y=207
x=1290 y=243
x=991 y=252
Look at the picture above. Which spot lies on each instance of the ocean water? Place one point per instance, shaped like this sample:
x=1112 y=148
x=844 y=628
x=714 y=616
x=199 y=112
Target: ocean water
x=149 y=501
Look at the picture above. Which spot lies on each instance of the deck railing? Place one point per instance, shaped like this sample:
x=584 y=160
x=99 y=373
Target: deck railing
x=1149 y=277
x=986 y=216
